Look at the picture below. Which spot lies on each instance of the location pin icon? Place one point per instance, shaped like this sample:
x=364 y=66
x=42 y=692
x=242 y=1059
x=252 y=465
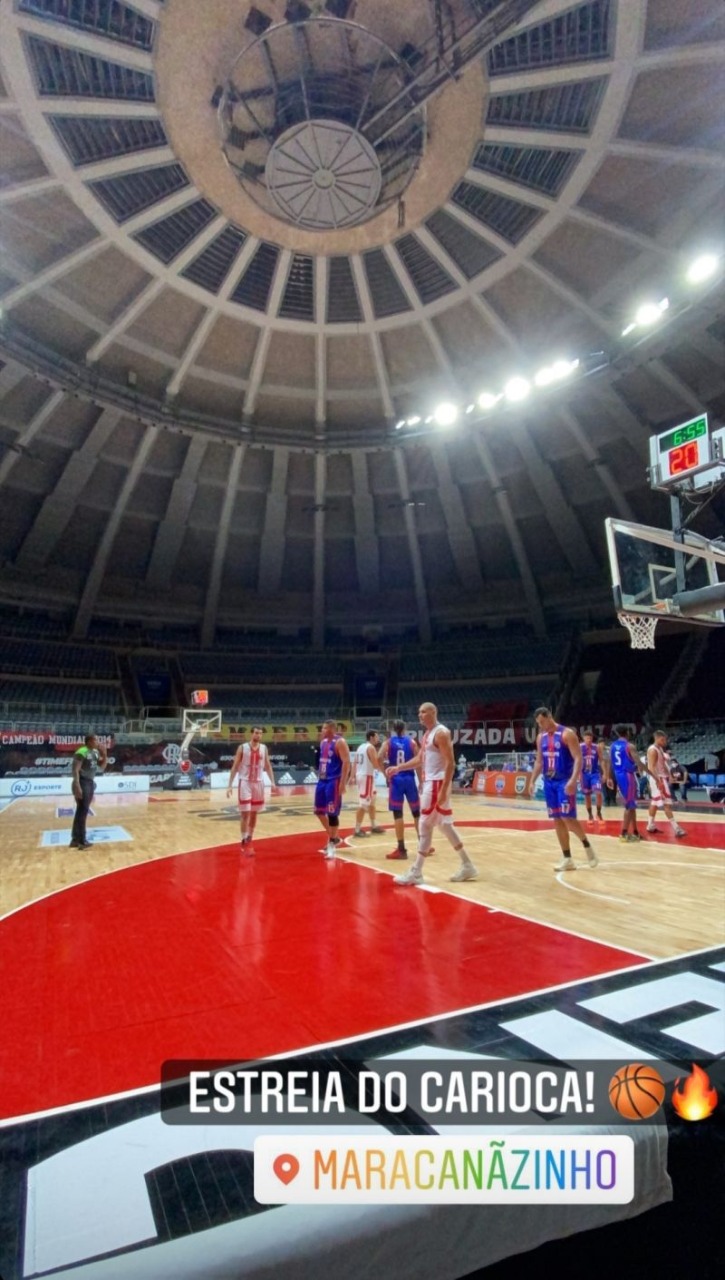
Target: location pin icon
x=286 y=1168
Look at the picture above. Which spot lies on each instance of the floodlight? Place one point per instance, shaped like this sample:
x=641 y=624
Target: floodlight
x=517 y=389
x=445 y=414
x=702 y=268
x=487 y=400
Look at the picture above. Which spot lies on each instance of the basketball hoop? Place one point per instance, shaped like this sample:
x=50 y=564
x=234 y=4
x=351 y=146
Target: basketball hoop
x=641 y=628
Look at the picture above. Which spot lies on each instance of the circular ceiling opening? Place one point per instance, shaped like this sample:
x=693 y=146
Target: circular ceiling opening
x=320 y=124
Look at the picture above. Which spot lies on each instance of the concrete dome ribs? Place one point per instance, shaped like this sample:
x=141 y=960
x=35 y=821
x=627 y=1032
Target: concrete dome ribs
x=238 y=250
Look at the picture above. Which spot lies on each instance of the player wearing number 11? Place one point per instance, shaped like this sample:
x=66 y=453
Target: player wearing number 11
x=559 y=758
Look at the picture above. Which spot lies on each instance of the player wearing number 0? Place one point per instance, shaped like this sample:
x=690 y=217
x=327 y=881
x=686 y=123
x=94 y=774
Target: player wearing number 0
x=399 y=749
x=593 y=766
x=659 y=785
x=251 y=762
x=437 y=762
x=559 y=758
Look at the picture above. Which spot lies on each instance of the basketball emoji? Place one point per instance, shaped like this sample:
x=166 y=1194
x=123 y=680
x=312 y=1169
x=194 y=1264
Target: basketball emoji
x=636 y=1092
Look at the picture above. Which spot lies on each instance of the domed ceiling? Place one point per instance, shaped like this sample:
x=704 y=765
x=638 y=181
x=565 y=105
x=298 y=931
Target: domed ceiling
x=248 y=249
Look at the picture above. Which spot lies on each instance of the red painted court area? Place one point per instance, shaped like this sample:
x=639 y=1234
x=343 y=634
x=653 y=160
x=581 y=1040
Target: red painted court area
x=213 y=955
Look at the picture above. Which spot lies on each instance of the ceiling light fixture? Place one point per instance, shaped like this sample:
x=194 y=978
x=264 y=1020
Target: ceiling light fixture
x=650 y=312
x=487 y=400
x=445 y=414
x=702 y=268
x=555 y=372
x=517 y=389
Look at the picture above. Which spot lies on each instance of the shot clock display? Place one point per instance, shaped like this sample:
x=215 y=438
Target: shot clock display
x=676 y=453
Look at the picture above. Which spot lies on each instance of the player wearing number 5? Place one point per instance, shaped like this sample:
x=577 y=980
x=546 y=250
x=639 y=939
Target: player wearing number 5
x=400 y=749
x=559 y=758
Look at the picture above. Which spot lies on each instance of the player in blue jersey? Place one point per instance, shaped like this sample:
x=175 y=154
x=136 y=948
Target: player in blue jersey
x=626 y=769
x=333 y=773
x=397 y=750
x=593 y=766
x=559 y=758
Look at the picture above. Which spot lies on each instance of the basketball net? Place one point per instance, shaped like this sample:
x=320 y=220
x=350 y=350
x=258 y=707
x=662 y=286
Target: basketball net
x=641 y=628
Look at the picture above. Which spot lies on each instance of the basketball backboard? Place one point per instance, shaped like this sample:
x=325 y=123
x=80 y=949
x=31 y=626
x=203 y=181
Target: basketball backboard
x=201 y=720
x=655 y=574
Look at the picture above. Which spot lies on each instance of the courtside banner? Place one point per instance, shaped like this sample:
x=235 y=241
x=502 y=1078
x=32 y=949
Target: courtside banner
x=460 y=1092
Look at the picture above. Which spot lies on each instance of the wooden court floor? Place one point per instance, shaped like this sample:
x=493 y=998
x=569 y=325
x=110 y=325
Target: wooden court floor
x=661 y=898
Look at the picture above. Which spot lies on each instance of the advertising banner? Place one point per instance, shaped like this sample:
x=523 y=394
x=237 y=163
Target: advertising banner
x=500 y=784
x=110 y=784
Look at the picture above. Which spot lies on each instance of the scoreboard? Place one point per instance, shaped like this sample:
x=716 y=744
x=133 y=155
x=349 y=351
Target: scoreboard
x=679 y=452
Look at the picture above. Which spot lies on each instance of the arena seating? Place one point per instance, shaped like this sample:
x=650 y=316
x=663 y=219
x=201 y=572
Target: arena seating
x=620 y=682
x=525 y=657
x=60 y=696
x=705 y=695
x=34 y=657
x=255 y=669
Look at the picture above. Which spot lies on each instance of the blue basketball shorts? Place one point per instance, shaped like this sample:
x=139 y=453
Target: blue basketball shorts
x=403 y=788
x=591 y=782
x=627 y=783
x=328 y=797
x=558 y=803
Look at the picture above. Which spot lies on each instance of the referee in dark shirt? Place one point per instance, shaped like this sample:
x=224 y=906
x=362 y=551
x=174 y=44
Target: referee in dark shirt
x=87 y=760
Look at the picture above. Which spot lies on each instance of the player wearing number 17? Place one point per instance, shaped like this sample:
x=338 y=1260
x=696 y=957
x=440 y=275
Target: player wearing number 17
x=559 y=758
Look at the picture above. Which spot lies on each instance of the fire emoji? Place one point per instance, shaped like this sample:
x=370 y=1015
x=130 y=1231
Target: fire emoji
x=696 y=1099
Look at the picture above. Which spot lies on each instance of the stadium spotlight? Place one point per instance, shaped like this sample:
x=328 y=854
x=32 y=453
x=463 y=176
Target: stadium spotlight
x=412 y=422
x=517 y=389
x=445 y=414
x=487 y=400
x=555 y=372
x=702 y=268
x=650 y=312
x=400 y=424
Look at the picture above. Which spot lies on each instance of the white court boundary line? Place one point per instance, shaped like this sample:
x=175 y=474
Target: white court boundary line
x=504 y=911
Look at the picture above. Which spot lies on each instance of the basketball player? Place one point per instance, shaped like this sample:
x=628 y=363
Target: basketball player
x=660 y=793
x=333 y=773
x=559 y=758
x=251 y=763
x=437 y=762
x=626 y=769
x=399 y=749
x=87 y=760
x=593 y=766
x=366 y=762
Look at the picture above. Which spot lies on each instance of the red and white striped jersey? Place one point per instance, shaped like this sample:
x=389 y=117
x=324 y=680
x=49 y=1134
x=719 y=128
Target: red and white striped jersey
x=252 y=763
